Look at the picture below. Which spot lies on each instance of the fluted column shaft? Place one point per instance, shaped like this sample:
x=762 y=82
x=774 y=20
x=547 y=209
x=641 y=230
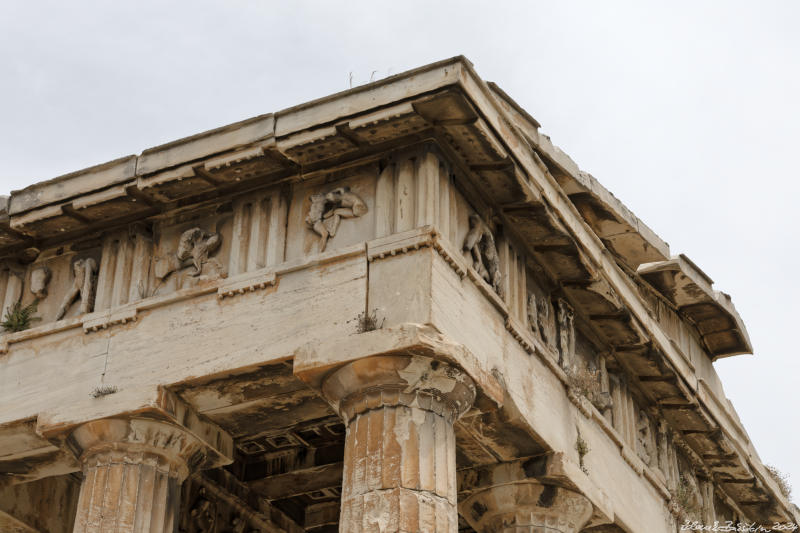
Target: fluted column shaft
x=128 y=491
x=133 y=470
x=399 y=463
x=526 y=506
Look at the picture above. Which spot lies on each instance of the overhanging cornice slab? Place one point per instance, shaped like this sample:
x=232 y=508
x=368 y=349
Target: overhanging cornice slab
x=690 y=290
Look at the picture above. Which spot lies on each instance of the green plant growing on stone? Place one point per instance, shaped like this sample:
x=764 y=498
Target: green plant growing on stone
x=103 y=390
x=582 y=447
x=781 y=479
x=19 y=318
x=368 y=321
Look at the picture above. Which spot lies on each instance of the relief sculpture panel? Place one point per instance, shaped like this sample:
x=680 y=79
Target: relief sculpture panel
x=326 y=212
x=480 y=244
x=194 y=250
x=40 y=279
x=331 y=212
x=83 y=285
x=191 y=254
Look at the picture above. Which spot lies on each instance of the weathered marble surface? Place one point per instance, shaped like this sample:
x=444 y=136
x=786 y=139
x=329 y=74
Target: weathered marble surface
x=265 y=290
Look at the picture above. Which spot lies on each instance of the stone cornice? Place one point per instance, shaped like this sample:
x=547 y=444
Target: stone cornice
x=525 y=178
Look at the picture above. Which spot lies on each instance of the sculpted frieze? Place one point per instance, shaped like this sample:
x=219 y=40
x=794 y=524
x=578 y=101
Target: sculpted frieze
x=480 y=244
x=84 y=272
x=644 y=438
x=326 y=212
x=40 y=279
x=566 y=332
x=195 y=247
x=206 y=511
x=540 y=318
x=202 y=516
x=193 y=257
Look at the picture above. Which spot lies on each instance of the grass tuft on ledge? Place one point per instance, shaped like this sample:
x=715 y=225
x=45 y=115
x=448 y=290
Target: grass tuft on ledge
x=19 y=318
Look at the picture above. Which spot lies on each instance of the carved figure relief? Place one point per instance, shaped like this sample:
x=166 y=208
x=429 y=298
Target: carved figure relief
x=485 y=260
x=327 y=211
x=238 y=525
x=203 y=512
x=202 y=516
x=644 y=438
x=533 y=314
x=688 y=494
x=601 y=398
x=195 y=248
x=566 y=332
x=40 y=278
x=663 y=447
x=83 y=285
x=540 y=318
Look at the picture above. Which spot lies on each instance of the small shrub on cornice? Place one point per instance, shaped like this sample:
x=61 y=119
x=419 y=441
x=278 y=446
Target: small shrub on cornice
x=103 y=390
x=781 y=479
x=19 y=318
x=368 y=321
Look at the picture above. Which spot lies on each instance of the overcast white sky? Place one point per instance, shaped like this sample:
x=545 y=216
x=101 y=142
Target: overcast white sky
x=688 y=111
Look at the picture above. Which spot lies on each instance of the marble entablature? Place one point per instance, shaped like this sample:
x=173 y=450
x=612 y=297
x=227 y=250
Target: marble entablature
x=217 y=287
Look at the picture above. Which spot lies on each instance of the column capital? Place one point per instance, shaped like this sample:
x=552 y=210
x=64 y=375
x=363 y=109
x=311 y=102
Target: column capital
x=157 y=419
x=133 y=467
x=526 y=504
x=400 y=455
x=164 y=445
x=392 y=380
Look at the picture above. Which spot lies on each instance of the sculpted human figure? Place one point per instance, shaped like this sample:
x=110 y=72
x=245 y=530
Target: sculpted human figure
x=485 y=260
x=566 y=331
x=533 y=314
x=196 y=245
x=203 y=516
x=315 y=218
x=40 y=278
x=327 y=210
x=644 y=437
x=84 y=271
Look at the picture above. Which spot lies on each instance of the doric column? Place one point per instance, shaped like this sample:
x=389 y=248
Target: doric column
x=132 y=473
x=526 y=507
x=399 y=459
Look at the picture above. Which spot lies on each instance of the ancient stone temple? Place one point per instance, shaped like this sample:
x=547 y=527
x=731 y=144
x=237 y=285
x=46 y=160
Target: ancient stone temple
x=399 y=308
